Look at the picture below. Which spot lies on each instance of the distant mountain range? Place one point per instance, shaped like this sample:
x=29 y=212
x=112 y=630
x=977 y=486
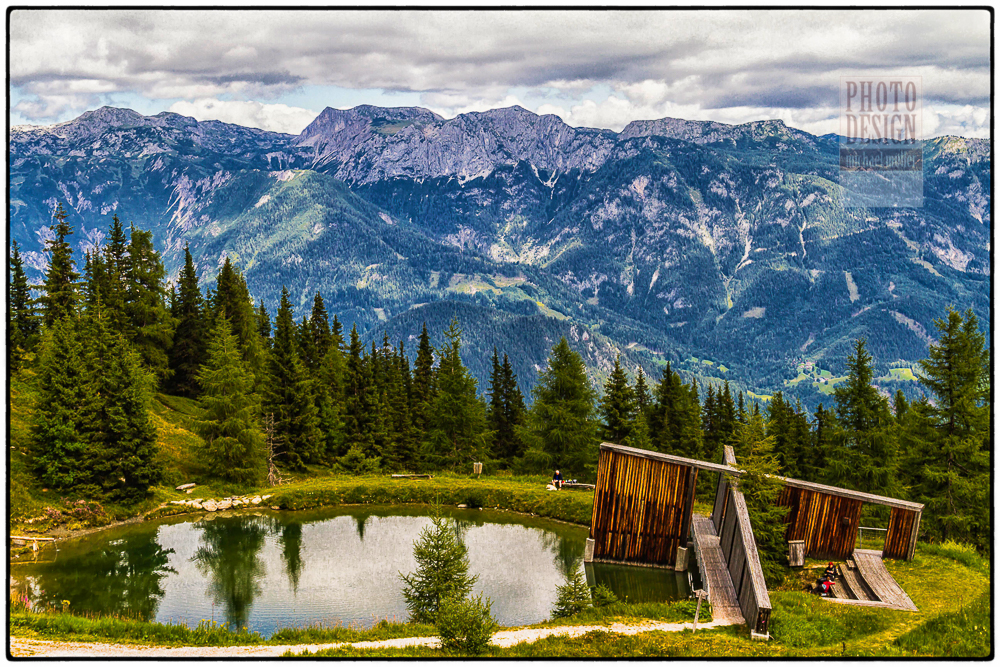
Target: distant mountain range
x=721 y=248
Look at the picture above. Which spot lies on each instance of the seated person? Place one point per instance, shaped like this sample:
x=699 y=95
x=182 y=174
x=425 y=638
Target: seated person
x=557 y=480
x=830 y=572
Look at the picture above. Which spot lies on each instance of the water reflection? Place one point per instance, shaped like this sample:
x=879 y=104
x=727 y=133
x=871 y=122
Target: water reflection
x=342 y=566
x=639 y=584
x=230 y=559
x=122 y=577
x=291 y=553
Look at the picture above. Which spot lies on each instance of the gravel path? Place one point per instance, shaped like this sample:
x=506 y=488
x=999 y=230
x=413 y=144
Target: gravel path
x=38 y=648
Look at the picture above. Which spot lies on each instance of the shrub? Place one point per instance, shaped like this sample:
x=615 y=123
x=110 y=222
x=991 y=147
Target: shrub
x=573 y=596
x=475 y=498
x=356 y=463
x=465 y=625
x=603 y=596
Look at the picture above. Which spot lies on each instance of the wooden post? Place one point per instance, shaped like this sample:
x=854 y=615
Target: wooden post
x=701 y=595
x=913 y=536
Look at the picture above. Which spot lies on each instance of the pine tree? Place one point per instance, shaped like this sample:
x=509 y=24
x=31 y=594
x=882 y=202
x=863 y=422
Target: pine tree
x=59 y=451
x=866 y=458
x=360 y=399
x=187 y=353
x=60 y=295
x=675 y=418
x=456 y=434
x=948 y=441
x=122 y=451
x=116 y=261
x=618 y=407
x=232 y=298
x=423 y=381
x=264 y=325
x=899 y=405
x=234 y=442
x=288 y=395
x=22 y=330
x=514 y=412
x=559 y=429
x=146 y=307
x=761 y=489
x=442 y=571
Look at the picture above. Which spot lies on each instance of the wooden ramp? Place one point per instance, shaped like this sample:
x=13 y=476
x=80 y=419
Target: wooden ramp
x=872 y=584
x=714 y=573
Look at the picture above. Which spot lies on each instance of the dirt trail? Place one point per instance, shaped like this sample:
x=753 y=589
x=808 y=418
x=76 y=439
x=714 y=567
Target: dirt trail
x=38 y=648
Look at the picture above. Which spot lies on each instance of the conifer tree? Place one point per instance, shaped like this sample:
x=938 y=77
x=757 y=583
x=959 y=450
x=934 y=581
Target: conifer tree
x=122 y=451
x=505 y=411
x=423 y=381
x=675 y=421
x=116 y=263
x=559 y=429
x=22 y=327
x=234 y=442
x=58 y=448
x=187 y=353
x=761 y=489
x=618 y=407
x=948 y=441
x=288 y=395
x=232 y=298
x=442 y=571
x=360 y=400
x=457 y=433
x=60 y=295
x=866 y=458
x=899 y=405
x=146 y=308
x=264 y=325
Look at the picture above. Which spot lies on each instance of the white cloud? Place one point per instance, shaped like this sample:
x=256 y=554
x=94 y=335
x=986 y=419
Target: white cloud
x=273 y=117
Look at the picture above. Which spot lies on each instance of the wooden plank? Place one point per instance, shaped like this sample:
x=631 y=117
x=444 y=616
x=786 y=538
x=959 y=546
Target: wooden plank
x=854 y=495
x=872 y=570
x=669 y=458
x=715 y=573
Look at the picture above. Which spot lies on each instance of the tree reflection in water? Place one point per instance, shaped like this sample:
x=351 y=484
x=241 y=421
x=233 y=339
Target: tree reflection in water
x=122 y=578
x=230 y=558
x=291 y=552
x=567 y=553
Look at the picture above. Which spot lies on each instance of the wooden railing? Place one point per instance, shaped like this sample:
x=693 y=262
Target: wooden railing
x=740 y=551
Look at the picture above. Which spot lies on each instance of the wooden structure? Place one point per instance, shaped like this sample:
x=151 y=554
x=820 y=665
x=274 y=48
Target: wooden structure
x=866 y=582
x=642 y=505
x=826 y=518
x=715 y=579
x=796 y=553
x=739 y=548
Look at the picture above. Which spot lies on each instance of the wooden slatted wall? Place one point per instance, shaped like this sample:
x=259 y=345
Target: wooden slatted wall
x=642 y=509
x=740 y=551
x=827 y=524
x=901 y=534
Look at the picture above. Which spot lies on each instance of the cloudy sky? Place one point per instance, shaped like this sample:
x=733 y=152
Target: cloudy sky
x=278 y=69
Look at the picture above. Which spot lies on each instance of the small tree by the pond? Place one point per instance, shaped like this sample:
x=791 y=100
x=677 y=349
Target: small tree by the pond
x=442 y=571
x=572 y=597
x=465 y=625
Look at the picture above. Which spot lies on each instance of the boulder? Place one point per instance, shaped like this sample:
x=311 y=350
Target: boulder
x=186 y=486
x=209 y=505
x=225 y=504
x=256 y=500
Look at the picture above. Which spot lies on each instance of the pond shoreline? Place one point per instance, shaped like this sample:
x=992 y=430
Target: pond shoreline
x=62 y=534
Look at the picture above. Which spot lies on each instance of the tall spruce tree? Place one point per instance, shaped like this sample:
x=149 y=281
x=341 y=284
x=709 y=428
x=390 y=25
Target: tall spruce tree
x=618 y=407
x=948 y=441
x=187 y=354
x=232 y=298
x=22 y=326
x=288 y=395
x=146 y=306
x=505 y=412
x=559 y=429
x=360 y=400
x=60 y=296
x=761 y=489
x=866 y=458
x=116 y=262
x=457 y=432
x=234 y=442
x=59 y=451
x=423 y=381
x=122 y=450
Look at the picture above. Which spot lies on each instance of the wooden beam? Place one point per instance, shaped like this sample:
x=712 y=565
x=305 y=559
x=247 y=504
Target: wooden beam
x=853 y=495
x=913 y=536
x=667 y=458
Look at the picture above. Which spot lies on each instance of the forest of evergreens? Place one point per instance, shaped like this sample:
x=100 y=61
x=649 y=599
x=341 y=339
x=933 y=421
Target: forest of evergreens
x=292 y=392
